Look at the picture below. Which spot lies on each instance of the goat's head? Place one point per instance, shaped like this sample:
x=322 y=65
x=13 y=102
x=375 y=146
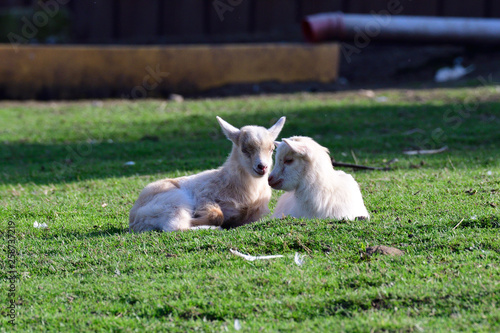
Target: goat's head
x=295 y=157
x=253 y=145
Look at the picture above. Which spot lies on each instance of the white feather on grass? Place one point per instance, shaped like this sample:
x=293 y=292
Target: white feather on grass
x=252 y=258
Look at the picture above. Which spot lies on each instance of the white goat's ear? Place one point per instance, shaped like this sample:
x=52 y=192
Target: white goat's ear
x=297 y=147
x=276 y=128
x=231 y=132
x=277 y=143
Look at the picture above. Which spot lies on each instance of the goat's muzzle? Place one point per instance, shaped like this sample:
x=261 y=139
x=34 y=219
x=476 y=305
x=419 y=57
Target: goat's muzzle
x=261 y=169
x=274 y=183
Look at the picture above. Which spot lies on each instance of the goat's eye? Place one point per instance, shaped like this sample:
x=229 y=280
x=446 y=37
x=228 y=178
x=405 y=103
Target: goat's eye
x=288 y=161
x=248 y=151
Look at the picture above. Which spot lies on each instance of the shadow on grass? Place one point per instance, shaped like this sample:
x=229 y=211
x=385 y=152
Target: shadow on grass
x=483 y=222
x=96 y=233
x=196 y=143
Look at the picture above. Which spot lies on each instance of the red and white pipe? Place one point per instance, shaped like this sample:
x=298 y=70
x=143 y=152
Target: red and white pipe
x=340 y=26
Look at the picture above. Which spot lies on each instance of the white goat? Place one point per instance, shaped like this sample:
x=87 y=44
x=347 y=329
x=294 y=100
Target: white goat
x=235 y=194
x=314 y=189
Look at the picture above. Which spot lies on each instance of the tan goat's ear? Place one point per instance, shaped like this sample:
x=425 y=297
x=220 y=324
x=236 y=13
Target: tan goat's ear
x=231 y=132
x=276 y=128
x=297 y=147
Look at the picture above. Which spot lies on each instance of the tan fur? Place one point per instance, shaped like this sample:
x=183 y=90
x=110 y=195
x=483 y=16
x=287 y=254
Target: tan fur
x=210 y=214
x=235 y=194
x=174 y=182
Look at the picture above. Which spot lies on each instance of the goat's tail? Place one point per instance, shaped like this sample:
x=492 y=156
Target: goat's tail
x=209 y=214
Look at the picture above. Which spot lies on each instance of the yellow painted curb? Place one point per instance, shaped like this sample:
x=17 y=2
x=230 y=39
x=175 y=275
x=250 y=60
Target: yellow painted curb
x=114 y=71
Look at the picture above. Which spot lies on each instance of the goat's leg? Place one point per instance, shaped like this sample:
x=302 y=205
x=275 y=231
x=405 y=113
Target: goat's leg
x=208 y=214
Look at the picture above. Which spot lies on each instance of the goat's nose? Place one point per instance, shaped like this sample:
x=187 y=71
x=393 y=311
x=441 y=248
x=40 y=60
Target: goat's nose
x=270 y=179
x=262 y=167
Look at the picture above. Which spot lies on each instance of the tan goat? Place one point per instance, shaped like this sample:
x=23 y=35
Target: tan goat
x=235 y=194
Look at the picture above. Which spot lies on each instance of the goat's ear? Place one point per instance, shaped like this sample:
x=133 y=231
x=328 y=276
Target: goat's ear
x=297 y=147
x=231 y=132
x=276 y=128
x=277 y=143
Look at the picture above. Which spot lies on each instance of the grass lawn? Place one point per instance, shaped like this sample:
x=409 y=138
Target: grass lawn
x=63 y=164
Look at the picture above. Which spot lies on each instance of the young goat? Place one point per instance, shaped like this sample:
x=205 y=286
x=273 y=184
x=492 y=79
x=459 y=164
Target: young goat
x=314 y=189
x=235 y=194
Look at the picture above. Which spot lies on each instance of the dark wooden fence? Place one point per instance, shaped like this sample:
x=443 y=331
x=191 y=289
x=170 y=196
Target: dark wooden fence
x=217 y=21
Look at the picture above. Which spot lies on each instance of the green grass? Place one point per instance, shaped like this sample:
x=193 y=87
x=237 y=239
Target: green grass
x=63 y=164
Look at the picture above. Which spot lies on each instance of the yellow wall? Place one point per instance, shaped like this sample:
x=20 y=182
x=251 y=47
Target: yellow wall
x=84 y=71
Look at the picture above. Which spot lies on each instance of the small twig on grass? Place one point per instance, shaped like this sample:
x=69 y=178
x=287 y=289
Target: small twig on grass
x=354 y=157
x=252 y=258
x=364 y=167
x=413 y=131
x=452 y=165
x=457 y=224
x=426 y=152
x=308 y=250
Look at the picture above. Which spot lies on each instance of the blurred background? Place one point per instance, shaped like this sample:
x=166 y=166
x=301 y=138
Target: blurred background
x=226 y=22
x=202 y=21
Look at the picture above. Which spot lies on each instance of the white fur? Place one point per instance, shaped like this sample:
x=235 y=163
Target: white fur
x=314 y=189
x=235 y=194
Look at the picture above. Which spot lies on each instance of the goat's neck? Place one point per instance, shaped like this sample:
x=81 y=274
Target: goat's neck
x=316 y=181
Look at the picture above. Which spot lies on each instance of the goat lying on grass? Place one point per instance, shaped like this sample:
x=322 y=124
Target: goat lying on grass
x=235 y=194
x=314 y=189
